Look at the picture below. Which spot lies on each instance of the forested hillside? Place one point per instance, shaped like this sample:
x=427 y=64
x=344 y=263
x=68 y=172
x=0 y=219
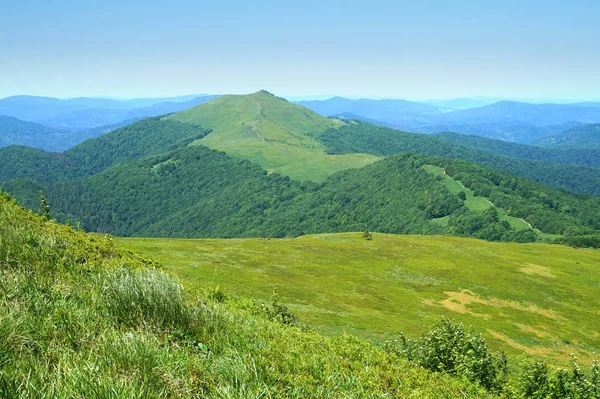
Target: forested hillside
x=586 y=137
x=156 y=178
x=360 y=137
x=198 y=192
x=146 y=137
x=566 y=156
x=15 y=131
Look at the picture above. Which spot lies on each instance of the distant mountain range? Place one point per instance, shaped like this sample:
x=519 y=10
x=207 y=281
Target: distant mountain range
x=257 y=165
x=55 y=125
x=64 y=123
x=86 y=113
x=15 y=131
x=583 y=137
x=504 y=120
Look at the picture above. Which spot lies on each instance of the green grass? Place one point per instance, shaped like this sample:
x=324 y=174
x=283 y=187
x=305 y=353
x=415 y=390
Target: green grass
x=82 y=318
x=279 y=136
x=538 y=299
x=474 y=203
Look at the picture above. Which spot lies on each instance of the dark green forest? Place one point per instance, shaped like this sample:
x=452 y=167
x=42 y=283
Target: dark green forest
x=365 y=138
x=142 y=138
x=144 y=180
x=198 y=192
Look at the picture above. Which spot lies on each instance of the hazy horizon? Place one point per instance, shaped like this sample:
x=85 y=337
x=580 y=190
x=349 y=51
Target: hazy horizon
x=322 y=97
x=383 y=49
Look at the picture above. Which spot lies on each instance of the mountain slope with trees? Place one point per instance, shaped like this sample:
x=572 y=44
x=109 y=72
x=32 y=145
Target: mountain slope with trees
x=193 y=191
x=360 y=137
x=155 y=177
x=582 y=137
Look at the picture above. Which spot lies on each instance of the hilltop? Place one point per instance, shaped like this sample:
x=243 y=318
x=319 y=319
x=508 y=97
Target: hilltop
x=277 y=135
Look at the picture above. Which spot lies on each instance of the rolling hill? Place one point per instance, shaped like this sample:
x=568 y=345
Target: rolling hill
x=273 y=133
x=15 y=131
x=583 y=137
x=504 y=120
x=158 y=177
x=586 y=156
x=553 y=168
x=192 y=191
x=146 y=137
x=79 y=114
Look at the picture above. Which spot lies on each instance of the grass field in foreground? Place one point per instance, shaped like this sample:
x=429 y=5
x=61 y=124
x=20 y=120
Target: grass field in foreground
x=540 y=299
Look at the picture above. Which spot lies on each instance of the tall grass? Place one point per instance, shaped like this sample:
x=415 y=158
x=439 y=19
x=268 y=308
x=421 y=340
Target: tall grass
x=81 y=318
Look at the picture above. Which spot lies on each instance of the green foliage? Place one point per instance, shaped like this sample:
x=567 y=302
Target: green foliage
x=197 y=192
x=581 y=137
x=279 y=312
x=365 y=138
x=486 y=225
x=44 y=207
x=19 y=162
x=564 y=156
x=143 y=138
x=80 y=317
x=581 y=241
x=204 y=193
x=539 y=382
x=448 y=348
x=146 y=137
x=549 y=210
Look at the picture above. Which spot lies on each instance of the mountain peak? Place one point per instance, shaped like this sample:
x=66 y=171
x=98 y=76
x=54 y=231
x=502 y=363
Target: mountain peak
x=265 y=92
x=271 y=131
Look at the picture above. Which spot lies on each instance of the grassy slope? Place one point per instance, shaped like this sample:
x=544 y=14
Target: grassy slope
x=535 y=298
x=279 y=136
x=80 y=317
x=473 y=202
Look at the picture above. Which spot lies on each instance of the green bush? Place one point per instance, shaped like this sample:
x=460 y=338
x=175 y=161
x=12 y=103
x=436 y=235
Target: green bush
x=538 y=382
x=447 y=348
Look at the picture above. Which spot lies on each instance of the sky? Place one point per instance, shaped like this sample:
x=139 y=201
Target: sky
x=378 y=49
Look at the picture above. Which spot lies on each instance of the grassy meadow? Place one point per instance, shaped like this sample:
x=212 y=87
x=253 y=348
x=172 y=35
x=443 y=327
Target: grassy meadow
x=270 y=131
x=535 y=299
x=82 y=318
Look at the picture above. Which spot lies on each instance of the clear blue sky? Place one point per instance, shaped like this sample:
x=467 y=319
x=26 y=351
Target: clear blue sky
x=406 y=49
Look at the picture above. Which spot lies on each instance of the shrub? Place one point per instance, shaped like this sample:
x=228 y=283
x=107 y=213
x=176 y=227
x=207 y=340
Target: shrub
x=448 y=348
